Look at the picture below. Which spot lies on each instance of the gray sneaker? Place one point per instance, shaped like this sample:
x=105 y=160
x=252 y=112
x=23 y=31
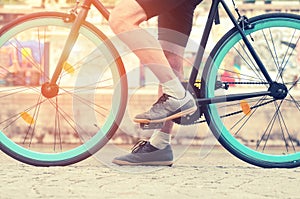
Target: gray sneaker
x=143 y=153
x=168 y=108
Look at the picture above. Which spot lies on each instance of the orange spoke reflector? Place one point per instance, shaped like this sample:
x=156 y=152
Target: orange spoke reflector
x=27 y=118
x=68 y=68
x=245 y=107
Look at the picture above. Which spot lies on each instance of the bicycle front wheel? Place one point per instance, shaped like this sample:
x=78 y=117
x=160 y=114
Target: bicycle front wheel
x=263 y=131
x=42 y=129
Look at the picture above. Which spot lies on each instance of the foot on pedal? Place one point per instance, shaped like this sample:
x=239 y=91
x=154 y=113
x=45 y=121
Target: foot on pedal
x=168 y=108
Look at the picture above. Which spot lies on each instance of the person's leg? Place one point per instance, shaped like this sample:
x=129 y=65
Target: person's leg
x=124 y=20
x=158 y=151
x=174 y=30
x=174 y=54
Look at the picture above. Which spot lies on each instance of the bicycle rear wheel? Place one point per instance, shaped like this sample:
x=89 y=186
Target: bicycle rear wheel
x=262 y=131
x=86 y=112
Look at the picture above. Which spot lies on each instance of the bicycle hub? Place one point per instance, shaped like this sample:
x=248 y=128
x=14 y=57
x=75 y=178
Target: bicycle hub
x=49 y=90
x=278 y=91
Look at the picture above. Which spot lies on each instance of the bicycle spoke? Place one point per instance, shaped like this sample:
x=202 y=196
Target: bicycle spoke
x=17 y=116
x=244 y=76
x=284 y=128
x=293 y=84
x=286 y=57
x=57 y=126
x=42 y=51
x=274 y=56
x=87 y=102
x=294 y=101
x=64 y=116
x=35 y=118
x=269 y=128
x=27 y=55
x=249 y=62
x=14 y=91
x=248 y=117
x=78 y=65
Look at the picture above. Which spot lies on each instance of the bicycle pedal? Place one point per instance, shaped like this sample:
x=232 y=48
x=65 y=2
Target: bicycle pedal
x=146 y=126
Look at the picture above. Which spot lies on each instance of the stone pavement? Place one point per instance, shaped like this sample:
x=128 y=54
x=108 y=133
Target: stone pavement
x=194 y=175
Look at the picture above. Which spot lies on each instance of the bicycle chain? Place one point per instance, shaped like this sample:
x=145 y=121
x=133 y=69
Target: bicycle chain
x=193 y=122
x=247 y=83
x=236 y=112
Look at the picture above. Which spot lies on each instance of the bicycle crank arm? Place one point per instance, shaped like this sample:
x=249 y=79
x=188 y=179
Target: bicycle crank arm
x=232 y=97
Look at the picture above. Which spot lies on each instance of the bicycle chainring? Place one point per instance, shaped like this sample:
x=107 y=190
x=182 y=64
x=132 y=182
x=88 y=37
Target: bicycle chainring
x=189 y=119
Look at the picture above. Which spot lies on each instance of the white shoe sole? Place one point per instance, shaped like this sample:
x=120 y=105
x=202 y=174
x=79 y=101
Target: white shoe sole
x=171 y=117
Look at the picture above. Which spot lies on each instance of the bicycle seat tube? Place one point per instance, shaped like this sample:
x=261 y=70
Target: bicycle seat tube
x=204 y=39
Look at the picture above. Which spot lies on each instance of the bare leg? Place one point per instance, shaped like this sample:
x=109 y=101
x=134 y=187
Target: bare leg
x=124 y=21
x=174 y=54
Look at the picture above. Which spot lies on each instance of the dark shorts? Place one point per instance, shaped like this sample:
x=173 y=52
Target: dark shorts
x=175 y=18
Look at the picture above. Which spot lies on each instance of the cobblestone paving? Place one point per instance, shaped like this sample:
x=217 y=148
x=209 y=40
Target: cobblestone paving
x=218 y=175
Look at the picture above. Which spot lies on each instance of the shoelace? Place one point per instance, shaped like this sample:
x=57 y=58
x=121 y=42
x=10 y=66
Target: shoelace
x=138 y=145
x=162 y=99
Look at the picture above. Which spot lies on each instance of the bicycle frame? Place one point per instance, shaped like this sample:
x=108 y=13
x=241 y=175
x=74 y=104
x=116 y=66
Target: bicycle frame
x=212 y=16
x=260 y=131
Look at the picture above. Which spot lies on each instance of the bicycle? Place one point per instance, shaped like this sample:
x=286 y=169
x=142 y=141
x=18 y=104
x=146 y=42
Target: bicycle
x=263 y=47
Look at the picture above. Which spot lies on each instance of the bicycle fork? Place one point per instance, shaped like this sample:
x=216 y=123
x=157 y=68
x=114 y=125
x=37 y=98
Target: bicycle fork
x=51 y=89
